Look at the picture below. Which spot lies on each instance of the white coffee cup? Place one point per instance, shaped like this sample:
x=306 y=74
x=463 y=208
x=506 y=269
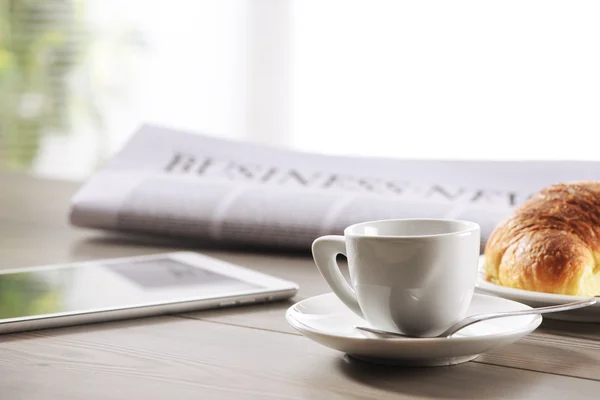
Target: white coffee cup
x=414 y=276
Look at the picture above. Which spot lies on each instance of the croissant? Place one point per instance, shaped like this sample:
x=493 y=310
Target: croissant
x=551 y=243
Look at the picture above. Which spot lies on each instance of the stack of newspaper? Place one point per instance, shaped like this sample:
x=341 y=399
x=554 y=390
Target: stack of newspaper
x=176 y=183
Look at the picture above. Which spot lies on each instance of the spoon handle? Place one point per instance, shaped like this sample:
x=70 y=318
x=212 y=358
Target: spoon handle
x=484 y=317
x=541 y=310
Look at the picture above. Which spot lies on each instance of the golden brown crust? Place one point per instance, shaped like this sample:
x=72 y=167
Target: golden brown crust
x=550 y=243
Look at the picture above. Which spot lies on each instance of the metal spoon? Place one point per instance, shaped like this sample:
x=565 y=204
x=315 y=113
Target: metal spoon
x=484 y=317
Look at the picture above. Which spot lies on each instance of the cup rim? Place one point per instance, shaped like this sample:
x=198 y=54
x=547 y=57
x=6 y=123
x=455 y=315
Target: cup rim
x=470 y=227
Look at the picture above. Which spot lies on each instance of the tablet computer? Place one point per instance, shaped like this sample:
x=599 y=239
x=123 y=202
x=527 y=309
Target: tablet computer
x=102 y=290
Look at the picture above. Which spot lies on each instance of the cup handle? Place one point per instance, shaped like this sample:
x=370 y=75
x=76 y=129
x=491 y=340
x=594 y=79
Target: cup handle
x=324 y=250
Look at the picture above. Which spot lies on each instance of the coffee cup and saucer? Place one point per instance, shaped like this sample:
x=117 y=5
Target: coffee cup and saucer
x=411 y=276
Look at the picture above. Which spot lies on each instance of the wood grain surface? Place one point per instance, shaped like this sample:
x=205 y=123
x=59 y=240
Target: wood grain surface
x=244 y=352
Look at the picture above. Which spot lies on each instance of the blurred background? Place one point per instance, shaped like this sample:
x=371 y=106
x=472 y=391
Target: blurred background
x=429 y=79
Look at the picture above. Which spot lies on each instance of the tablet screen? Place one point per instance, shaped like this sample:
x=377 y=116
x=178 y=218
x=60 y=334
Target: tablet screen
x=101 y=285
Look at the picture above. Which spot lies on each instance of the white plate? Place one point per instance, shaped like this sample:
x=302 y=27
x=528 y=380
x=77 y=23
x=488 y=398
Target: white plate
x=327 y=321
x=539 y=299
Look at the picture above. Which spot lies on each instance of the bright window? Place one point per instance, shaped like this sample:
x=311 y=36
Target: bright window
x=448 y=79
x=421 y=79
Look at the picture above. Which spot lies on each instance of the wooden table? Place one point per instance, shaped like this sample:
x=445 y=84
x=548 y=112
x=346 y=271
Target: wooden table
x=239 y=353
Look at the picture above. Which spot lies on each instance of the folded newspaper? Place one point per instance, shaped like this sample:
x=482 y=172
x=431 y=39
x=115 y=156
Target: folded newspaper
x=176 y=183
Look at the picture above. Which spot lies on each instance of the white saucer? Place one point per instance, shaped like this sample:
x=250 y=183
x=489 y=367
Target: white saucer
x=326 y=320
x=539 y=299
